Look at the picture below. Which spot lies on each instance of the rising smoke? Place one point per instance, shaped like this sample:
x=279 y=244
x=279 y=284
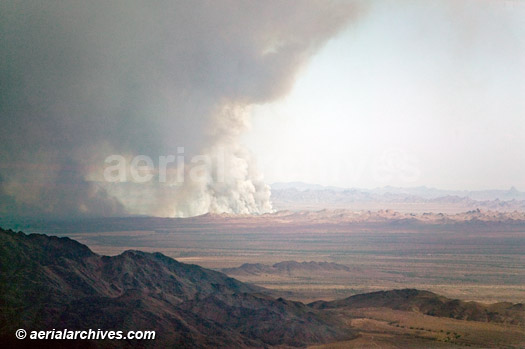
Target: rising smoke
x=81 y=80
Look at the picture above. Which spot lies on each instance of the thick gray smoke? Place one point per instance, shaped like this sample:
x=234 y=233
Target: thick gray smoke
x=82 y=80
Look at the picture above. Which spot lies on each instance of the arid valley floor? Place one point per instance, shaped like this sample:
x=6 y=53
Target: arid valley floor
x=328 y=255
x=471 y=256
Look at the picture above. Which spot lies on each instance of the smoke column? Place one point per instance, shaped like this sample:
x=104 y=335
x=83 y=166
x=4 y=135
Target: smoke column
x=82 y=80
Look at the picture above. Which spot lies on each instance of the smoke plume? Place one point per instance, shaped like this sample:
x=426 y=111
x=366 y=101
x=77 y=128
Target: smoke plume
x=82 y=80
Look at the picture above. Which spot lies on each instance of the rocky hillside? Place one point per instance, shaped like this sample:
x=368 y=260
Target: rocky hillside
x=49 y=282
x=57 y=283
x=429 y=303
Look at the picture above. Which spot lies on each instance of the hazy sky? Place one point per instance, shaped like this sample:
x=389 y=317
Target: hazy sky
x=347 y=93
x=413 y=93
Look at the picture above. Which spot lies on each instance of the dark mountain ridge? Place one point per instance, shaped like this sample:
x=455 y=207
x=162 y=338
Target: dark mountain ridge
x=49 y=282
x=57 y=283
x=429 y=303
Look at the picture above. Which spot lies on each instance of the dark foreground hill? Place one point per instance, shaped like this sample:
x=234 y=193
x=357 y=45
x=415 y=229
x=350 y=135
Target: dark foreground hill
x=429 y=303
x=57 y=283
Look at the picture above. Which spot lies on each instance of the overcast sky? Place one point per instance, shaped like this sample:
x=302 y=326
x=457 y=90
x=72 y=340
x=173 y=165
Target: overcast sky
x=413 y=93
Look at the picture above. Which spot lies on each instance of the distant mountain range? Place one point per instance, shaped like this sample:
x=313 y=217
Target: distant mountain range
x=300 y=196
x=421 y=191
x=307 y=220
x=286 y=268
